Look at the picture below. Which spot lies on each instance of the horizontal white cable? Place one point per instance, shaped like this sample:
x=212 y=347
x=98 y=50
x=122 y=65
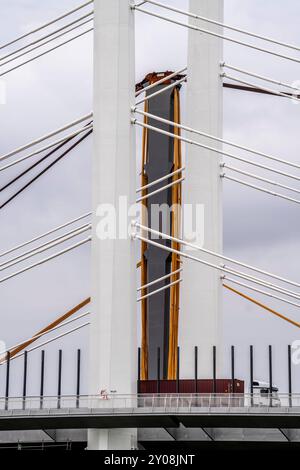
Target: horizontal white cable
x=46 y=52
x=46 y=137
x=254 y=289
x=224 y=25
x=261 y=77
x=268 y=284
x=49 y=341
x=163 y=90
x=206 y=263
x=35 y=337
x=167 y=186
x=213 y=149
x=259 y=188
x=159 y=290
x=220 y=256
x=160 y=82
x=160 y=180
x=216 y=35
x=37 y=41
x=259 y=87
x=45 y=25
x=145 y=286
x=45 y=247
x=217 y=139
x=56 y=229
x=260 y=178
x=47 y=147
x=45 y=260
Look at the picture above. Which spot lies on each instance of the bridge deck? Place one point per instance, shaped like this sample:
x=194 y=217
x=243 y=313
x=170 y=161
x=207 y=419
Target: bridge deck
x=213 y=411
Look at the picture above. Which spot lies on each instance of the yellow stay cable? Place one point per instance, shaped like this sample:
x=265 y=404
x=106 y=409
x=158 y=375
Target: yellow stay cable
x=49 y=327
x=262 y=306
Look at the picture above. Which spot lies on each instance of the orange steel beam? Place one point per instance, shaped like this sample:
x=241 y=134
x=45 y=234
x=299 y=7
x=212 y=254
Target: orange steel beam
x=49 y=327
x=265 y=307
x=175 y=265
x=143 y=262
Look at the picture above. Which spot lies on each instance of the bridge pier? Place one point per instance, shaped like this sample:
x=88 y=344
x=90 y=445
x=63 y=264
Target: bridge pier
x=201 y=301
x=113 y=341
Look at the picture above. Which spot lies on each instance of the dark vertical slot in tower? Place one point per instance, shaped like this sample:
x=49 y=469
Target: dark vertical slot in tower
x=42 y=378
x=25 y=378
x=159 y=164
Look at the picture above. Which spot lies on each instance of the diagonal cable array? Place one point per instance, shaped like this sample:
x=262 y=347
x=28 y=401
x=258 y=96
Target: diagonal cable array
x=33 y=143
x=46 y=234
x=228 y=273
x=222 y=268
x=219 y=151
x=54 y=242
x=261 y=77
x=50 y=340
x=45 y=260
x=218 y=35
x=40 y=335
x=45 y=169
x=45 y=25
x=48 y=38
x=218 y=23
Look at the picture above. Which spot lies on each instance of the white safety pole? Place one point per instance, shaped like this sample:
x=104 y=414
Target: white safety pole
x=201 y=313
x=113 y=339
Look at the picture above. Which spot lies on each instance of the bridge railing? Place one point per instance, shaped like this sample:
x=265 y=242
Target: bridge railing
x=151 y=403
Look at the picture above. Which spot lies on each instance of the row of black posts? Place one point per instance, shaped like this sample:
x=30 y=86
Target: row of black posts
x=158 y=378
x=214 y=369
x=42 y=378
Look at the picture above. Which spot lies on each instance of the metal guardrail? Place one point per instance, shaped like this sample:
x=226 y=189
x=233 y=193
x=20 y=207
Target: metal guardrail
x=154 y=403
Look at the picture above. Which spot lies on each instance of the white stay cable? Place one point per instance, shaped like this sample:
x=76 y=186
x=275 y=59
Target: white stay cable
x=45 y=25
x=163 y=90
x=160 y=82
x=40 y=40
x=45 y=260
x=260 y=282
x=46 y=52
x=218 y=255
x=261 y=77
x=216 y=35
x=217 y=139
x=46 y=137
x=268 y=90
x=224 y=25
x=45 y=247
x=35 y=337
x=259 y=178
x=213 y=149
x=50 y=340
x=254 y=289
x=157 y=191
x=259 y=188
x=150 y=284
x=56 y=229
x=160 y=180
x=211 y=265
x=159 y=290
x=46 y=147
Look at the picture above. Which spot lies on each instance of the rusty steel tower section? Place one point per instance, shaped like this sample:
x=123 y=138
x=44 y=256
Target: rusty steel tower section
x=161 y=157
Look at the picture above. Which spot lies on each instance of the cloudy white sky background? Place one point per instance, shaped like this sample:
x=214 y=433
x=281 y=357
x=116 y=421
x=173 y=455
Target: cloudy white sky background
x=56 y=89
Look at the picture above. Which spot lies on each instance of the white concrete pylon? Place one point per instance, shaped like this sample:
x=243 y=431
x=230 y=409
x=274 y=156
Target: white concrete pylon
x=113 y=341
x=201 y=317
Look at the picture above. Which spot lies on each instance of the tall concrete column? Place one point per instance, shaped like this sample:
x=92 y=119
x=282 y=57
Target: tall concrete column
x=201 y=312
x=113 y=341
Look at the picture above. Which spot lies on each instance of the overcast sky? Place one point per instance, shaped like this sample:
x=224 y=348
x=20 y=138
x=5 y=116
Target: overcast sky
x=56 y=89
